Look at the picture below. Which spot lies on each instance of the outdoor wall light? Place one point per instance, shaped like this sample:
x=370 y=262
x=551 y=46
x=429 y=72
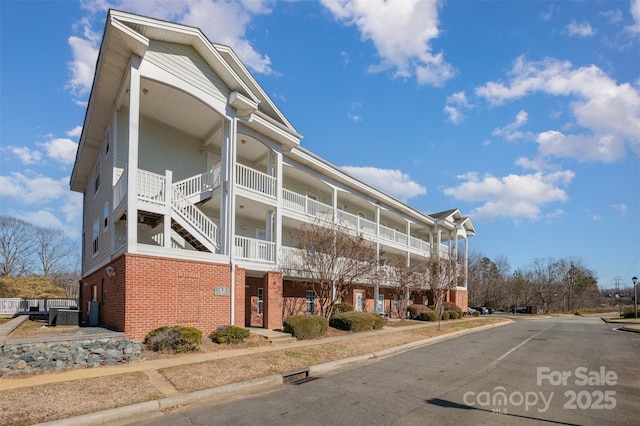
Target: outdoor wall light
x=110 y=271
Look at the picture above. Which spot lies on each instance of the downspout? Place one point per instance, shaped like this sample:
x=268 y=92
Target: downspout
x=232 y=216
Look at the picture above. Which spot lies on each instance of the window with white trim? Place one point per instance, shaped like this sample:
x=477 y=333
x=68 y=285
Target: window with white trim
x=96 y=235
x=96 y=178
x=105 y=215
x=107 y=143
x=395 y=303
x=311 y=302
x=260 y=301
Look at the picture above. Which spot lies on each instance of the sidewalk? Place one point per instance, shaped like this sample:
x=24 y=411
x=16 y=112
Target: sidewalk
x=172 y=397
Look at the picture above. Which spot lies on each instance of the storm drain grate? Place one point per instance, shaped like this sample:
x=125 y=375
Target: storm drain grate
x=296 y=377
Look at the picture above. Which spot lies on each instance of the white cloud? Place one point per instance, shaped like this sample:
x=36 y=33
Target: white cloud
x=33 y=190
x=514 y=196
x=61 y=150
x=223 y=22
x=613 y=15
x=583 y=29
x=84 y=49
x=621 y=208
x=607 y=114
x=510 y=132
x=401 y=32
x=75 y=132
x=25 y=154
x=635 y=13
x=393 y=182
x=454 y=113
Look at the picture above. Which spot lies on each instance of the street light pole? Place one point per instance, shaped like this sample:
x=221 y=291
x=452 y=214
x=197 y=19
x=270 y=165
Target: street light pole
x=635 y=296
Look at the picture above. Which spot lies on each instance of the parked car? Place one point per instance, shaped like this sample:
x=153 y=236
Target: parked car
x=490 y=310
x=470 y=311
x=482 y=310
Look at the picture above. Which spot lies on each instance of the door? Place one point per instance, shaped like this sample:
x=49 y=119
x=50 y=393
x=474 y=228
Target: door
x=359 y=301
x=380 y=305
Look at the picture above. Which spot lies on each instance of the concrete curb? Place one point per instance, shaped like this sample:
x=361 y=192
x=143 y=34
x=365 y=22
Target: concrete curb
x=155 y=408
x=9 y=326
x=632 y=330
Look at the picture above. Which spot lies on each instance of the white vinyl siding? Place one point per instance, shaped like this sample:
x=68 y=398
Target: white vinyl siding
x=162 y=148
x=186 y=64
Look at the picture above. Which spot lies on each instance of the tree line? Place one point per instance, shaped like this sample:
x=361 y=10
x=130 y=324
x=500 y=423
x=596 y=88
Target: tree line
x=30 y=250
x=552 y=285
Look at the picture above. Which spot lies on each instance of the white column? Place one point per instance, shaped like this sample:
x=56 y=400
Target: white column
x=168 y=190
x=132 y=160
x=278 y=217
x=466 y=261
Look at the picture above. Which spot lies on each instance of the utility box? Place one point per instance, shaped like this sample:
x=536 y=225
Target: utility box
x=68 y=317
x=93 y=316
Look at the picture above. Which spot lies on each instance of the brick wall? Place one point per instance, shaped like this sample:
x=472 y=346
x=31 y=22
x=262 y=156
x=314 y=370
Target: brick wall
x=148 y=291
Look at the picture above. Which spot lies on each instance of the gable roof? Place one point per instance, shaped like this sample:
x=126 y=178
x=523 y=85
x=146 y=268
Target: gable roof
x=126 y=34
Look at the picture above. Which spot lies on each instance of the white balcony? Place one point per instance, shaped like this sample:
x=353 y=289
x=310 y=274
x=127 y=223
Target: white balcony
x=255 y=181
x=316 y=210
x=255 y=250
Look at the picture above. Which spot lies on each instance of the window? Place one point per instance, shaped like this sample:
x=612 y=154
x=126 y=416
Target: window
x=105 y=214
x=94 y=292
x=311 y=302
x=96 y=184
x=104 y=292
x=96 y=177
x=96 y=234
x=107 y=143
x=395 y=303
x=260 y=300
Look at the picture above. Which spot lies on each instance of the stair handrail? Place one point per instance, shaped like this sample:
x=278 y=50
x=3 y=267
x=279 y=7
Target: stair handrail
x=207 y=181
x=194 y=216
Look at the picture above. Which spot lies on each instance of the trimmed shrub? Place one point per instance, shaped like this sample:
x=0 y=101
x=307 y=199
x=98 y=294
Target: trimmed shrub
x=339 y=308
x=415 y=310
x=454 y=310
x=357 y=321
x=445 y=315
x=176 y=339
x=305 y=327
x=428 y=316
x=476 y=313
x=628 y=312
x=579 y=313
x=230 y=334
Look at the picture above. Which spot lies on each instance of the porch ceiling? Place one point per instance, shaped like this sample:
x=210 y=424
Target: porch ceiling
x=177 y=109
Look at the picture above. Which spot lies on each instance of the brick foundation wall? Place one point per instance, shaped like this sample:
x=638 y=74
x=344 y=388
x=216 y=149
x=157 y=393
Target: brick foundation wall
x=148 y=291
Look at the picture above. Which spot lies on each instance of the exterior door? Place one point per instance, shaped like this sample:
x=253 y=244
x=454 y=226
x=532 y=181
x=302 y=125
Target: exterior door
x=359 y=301
x=380 y=305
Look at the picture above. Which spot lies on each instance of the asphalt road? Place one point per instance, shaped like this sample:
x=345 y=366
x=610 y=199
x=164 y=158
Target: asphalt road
x=557 y=371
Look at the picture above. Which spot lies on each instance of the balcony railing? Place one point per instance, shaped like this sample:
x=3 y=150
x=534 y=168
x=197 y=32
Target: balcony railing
x=151 y=187
x=255 y=250
x=254 y=180
x=300 y=203
x=199 y=183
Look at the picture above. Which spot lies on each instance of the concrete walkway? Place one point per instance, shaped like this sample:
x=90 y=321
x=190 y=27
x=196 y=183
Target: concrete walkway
x=156 y=364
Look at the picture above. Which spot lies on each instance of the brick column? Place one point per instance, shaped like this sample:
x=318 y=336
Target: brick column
x=273 y=301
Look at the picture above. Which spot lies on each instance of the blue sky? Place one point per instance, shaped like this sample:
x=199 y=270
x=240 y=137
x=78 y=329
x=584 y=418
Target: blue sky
x=524 y=115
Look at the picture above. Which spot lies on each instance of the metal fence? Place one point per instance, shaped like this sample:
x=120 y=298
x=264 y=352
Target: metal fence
x=19 y=305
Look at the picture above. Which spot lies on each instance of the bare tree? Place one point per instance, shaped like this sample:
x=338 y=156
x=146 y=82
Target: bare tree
x=53 y=250
x=548 y=276
x=442 y=275
x=403 y=279
x=332 y=260
x=16 y=246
